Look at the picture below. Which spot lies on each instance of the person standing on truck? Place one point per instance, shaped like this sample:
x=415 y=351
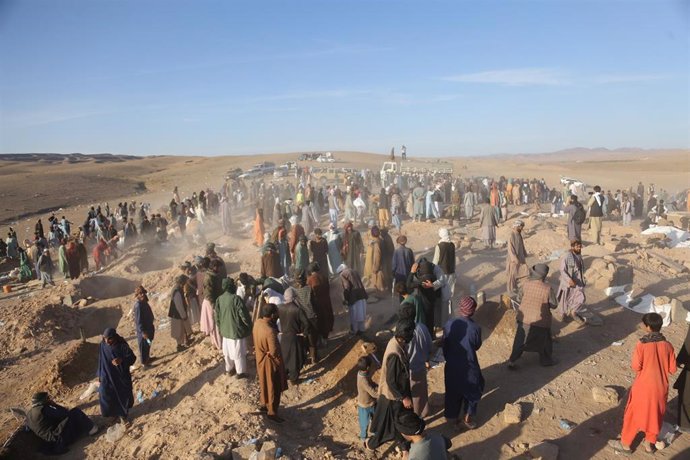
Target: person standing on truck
x=403 y=153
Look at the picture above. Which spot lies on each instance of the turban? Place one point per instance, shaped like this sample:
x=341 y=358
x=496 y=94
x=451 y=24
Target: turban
x=518 y=223
x=409 y=423
x=340 y=268
x=293 y=220
x=540 y=270
x=109 y=333
x=375 y=231
x=467 y=306
x=444 y=234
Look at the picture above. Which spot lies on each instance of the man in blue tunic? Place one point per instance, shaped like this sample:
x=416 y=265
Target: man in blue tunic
x=462 y=337
x=115 y=390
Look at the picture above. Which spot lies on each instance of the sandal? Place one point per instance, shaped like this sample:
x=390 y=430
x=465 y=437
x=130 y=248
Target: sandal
x=618 y=447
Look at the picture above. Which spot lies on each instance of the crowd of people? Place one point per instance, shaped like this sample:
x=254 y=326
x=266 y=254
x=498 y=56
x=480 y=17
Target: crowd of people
x=284 y=313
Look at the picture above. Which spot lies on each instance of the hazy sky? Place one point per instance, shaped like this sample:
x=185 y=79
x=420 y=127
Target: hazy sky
x=443 y=77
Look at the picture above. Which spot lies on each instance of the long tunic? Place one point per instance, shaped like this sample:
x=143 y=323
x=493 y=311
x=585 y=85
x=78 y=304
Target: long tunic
x=516 y=263
x=294 y=326
x=487 y=224
x=373 y=266
x=319 y=252
x=463 y=378
x=115 y=390
x=180 y=326
x=683 y=384
x=353 y=247
x=403 y=259
x=574 y=230
x=571 y=299
x=644 y=411
x=301 y=257
x=62 y=261
x=270 y=368
x=322 y=303
x=418 y=195
x=335 y=245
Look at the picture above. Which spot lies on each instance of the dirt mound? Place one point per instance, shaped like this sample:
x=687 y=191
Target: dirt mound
x=75 y=365
x=107 y=287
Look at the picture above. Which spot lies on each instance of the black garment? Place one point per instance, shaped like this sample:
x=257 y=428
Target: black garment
x=57 y=426
x=596 y=210
x=683 y=384
x=532 y=338
x=430 y=296
x=446 y=257
x=294 y=326
x=387 y=411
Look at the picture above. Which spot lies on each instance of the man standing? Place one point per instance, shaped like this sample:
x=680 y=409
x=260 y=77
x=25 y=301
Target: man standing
x=576 y=217
x=533 y=331
x=418 y=195
x=143 y=324
x=516 y=264
x=419 y=351
x=469 y=201
x=571 y=290
x=596 y=213
x=487 y=224
x=463 y=379
x=115 y=389
x=212 y=289
x=444 y=257
x=234 y=325
x=354 y=297
x=270 y=368
x=332 y=207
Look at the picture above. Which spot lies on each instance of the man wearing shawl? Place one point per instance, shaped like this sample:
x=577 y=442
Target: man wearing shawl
x=487 y=224
x=403 y=259
x=301 y=254
x=335 y=245
x=294 y=328
x=143 y=324
x=653 y=361
x=427 y=278
x=533 y=332
x=296 y=230
x=354 y=298
x=225 y=215
x=319 y=250
x=353 y=248
x=683 y=385
x=395 y=396
x=178 y=312
x=305 y=300
x=62 y=259
x=469 y=202
x=516 y=264
x=72 y=260
x=270 y=368
x=387 y=250
x=318 y=281
x=373 y=265
x=213 y=288
x=234 y=325
x=571 y=290
x=463 y=379
x=270 y=262
x=444 y=257
x=419 y=351
x=115 y=390
x=259 y=228
x=419 y=196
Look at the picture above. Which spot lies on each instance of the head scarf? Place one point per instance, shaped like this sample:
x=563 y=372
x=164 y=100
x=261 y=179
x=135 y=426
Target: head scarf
x=467 y=307
x=109 y=333
x=227 y=284
x=444 y=234
x=289 y=295
x=518 y=223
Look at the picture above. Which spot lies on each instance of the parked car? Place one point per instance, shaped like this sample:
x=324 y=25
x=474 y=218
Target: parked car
x=233 y=174
x=253 y=172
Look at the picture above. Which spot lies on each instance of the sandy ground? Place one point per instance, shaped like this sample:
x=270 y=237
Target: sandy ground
x=201 y=412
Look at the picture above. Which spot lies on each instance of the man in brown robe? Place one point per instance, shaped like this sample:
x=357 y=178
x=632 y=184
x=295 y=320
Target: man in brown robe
x=270 y=263
x=319 y=249
x=270 y=368
x=373 y=264
x=516 y=263
x=318 y=281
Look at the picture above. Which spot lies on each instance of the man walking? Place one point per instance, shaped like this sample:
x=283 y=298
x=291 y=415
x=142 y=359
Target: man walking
x=571 y=291
x=270 y=368
x=516 y=264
